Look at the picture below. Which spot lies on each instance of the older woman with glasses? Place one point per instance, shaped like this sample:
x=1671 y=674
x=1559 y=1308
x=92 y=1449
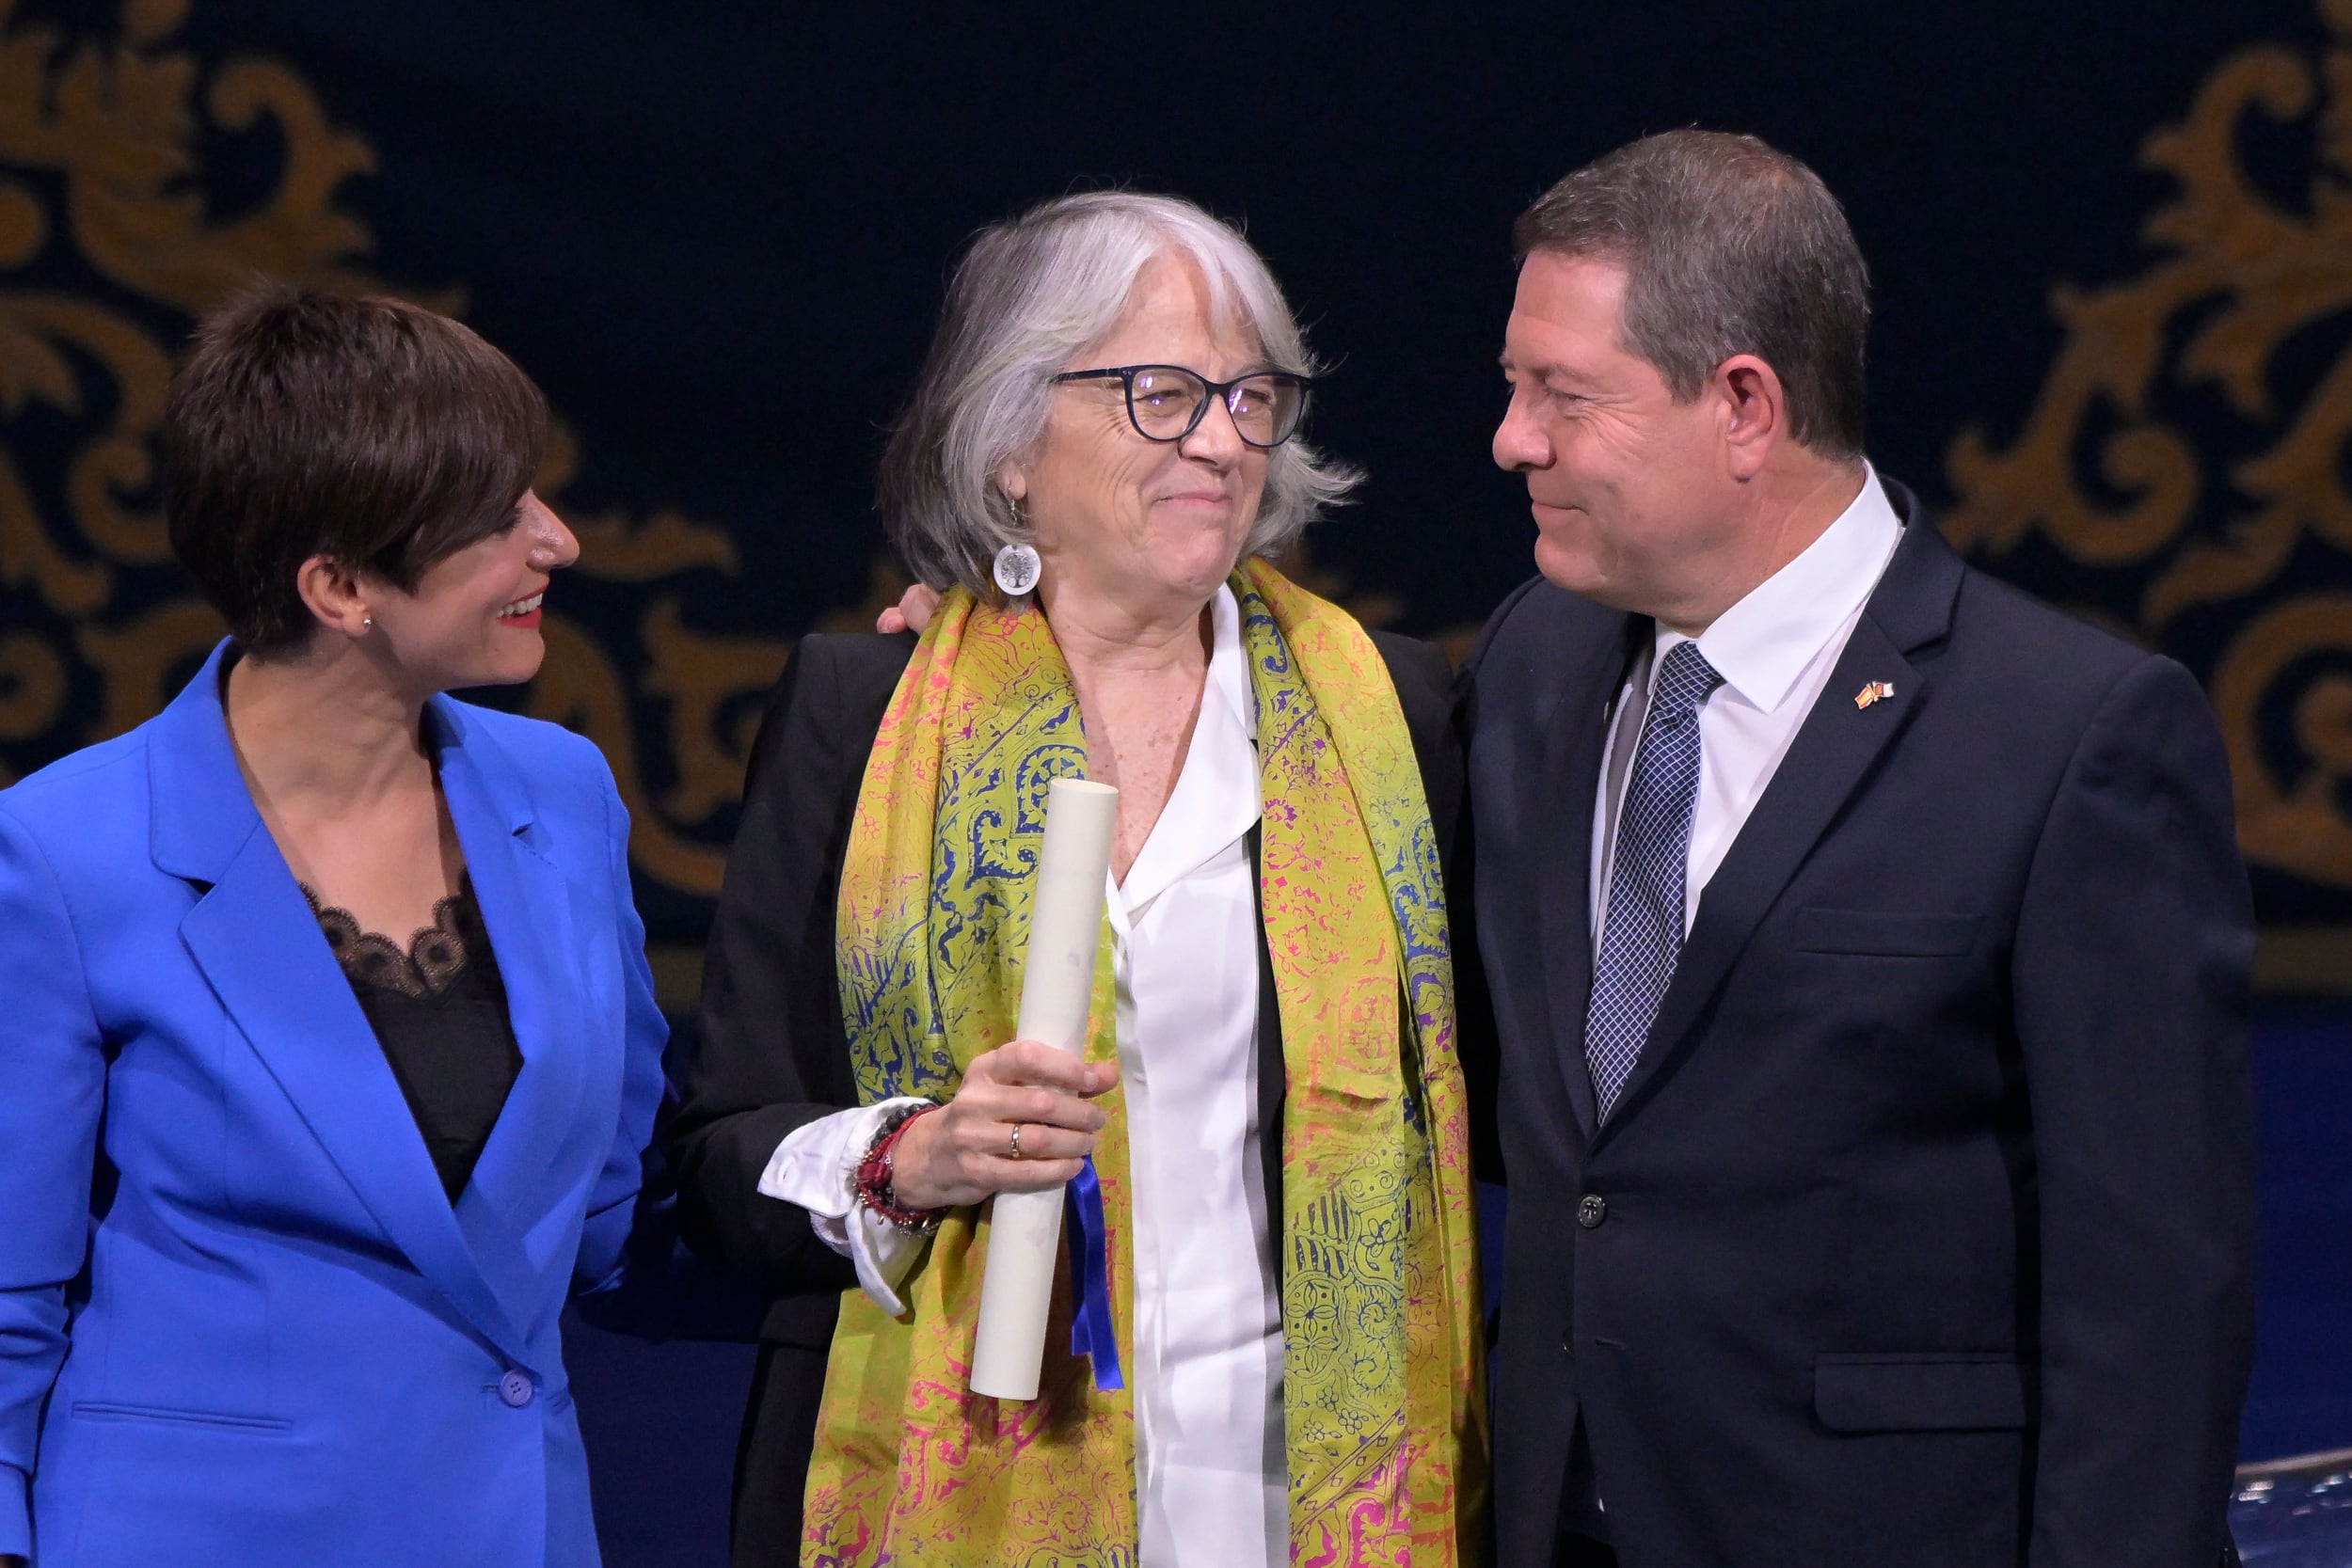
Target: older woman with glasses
x=1096 y=462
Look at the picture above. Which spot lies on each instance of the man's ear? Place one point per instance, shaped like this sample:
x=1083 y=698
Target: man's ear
x=334 y=593
x=1754 y=412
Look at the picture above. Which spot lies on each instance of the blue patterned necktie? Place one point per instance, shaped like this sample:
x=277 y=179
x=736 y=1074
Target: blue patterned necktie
x=1640 y=937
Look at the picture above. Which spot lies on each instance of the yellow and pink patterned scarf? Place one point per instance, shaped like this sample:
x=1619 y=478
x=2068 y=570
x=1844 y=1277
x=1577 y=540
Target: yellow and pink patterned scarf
x=1383 y=1392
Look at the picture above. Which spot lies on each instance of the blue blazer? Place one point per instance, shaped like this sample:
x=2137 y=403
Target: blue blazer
x=240 y=1321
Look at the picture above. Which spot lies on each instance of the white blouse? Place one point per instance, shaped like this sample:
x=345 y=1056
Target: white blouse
x=1207 y=1371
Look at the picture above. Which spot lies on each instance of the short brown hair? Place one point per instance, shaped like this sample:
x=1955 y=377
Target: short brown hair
x=1730 y=247
x=370 y=430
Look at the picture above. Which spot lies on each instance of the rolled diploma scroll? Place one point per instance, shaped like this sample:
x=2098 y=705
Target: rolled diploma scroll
x=1073 y=868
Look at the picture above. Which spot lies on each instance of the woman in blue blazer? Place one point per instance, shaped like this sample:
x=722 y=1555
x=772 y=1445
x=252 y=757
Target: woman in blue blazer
x=290 y=1201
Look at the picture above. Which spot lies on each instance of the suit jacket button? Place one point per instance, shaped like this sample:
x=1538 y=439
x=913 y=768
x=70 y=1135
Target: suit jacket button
x=1591 y=1211
x=514 y=1388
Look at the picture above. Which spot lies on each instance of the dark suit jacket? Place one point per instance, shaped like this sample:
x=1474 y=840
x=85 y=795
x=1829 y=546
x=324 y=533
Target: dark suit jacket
x=772 y=1054
x=1923 y=1233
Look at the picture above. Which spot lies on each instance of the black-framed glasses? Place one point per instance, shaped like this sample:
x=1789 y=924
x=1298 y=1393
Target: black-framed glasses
x=1167 y=403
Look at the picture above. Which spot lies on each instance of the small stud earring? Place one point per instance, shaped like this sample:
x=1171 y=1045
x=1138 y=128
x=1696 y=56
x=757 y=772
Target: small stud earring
x=367 y=623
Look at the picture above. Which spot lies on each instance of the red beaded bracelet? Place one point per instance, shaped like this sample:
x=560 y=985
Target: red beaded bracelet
x=875 y=1174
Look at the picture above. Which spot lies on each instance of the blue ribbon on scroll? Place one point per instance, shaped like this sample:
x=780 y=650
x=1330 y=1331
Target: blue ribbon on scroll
x=1090 y=1332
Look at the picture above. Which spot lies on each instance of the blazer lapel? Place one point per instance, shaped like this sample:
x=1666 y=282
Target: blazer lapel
x=1569 y=785
x=1273 y=1070
x=1831 y=757
x=254 y=937
x=526 y=904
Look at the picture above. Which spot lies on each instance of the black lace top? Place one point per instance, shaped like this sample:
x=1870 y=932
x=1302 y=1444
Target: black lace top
x=438 y=1010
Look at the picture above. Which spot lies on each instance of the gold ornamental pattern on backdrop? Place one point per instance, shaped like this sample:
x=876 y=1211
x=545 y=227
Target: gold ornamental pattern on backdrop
x=98 y=172
x=113 y=240
x=2244 y=277
x=101 y=182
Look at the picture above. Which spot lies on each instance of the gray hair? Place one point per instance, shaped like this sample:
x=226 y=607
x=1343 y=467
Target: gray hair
x=1730 y=247
x=1028 y=295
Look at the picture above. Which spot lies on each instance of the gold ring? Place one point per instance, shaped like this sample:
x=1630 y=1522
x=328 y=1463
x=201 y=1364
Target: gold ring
x=1016 y=1142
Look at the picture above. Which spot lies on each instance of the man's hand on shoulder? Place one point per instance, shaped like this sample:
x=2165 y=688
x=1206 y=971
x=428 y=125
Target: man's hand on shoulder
x=913 y=612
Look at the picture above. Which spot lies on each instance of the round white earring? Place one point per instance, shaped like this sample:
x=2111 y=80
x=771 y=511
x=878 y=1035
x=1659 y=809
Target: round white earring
x=1017 y=569
x=367 y=623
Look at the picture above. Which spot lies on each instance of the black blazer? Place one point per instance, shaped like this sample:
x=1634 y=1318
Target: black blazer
x=1923 y=1233
x=771 y=1054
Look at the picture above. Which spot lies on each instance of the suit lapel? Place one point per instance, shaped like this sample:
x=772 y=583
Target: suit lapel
x=1830 y=755
x=1273 y=1069
x=526 y=904
x=1577 y=732
x=1833 y=754
x=253 y=935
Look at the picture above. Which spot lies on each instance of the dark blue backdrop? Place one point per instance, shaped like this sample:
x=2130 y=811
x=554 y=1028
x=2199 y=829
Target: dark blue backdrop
x=715 y=233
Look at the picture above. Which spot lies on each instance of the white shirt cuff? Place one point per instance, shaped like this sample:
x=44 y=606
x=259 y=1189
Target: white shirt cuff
x=816 y=1169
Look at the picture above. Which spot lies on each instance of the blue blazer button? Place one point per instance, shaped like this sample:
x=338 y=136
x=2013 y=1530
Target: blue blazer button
x=514 y=1388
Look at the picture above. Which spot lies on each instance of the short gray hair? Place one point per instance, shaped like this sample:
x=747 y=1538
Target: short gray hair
x=1730 y=247
x=1027 y=295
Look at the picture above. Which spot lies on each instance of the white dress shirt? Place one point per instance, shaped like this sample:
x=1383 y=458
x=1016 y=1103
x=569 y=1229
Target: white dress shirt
x=1207 y=1369
x=1774 y=649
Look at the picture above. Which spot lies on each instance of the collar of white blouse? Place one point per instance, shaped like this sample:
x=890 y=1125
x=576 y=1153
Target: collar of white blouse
x=1216 y=799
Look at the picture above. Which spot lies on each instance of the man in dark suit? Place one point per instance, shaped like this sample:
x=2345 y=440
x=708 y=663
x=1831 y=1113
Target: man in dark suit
x=1868 y=951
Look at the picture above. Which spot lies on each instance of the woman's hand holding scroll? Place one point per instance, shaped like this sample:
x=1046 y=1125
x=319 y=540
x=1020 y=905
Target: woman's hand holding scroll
x=1024 y=1120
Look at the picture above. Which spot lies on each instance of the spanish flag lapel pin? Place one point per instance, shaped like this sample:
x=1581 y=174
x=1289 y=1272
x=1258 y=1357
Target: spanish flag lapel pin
x=1875 y=691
